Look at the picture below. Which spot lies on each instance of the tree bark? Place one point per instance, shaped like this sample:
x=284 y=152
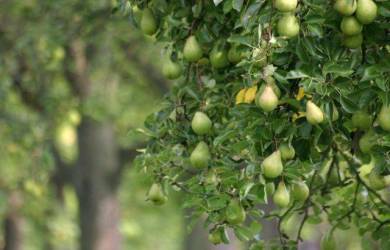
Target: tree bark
x=13 y=224
x=96 y=185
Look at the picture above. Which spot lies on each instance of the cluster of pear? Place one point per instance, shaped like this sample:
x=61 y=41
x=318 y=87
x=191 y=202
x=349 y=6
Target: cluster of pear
x=200 y=156
x=288 y=25
x=355 y=15
x=235 y=215
x=192 y=52
x=363 y=121
x=219 y=56
x=267 y=98
x=272 y=167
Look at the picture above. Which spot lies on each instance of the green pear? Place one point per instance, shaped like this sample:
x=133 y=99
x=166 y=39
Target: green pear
x=366 y=11
x=367 y=141
x=350 y=26
x=200 y=157
x=345 y=7
x=156 y=194
x=327 y=242
x=234 y=55
x=361 y=120
x=235 y=213
x=353 y=42
x=267 y=99
x=334 y=176
x=287 y=151
x=286 y=5
x=215 y=237
x=300 y=191
x=192 y=51
x=148 y=22
x=376 y=181
x=171 y=70
x=384 y=118
x=314 y=114
x=201 y=123
x=272 y=165
x=288 y=26
x=281 y=196
x=218 y=58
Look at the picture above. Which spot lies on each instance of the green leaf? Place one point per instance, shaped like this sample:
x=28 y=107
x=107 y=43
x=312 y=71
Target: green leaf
x=216 y=2
x=237 y=4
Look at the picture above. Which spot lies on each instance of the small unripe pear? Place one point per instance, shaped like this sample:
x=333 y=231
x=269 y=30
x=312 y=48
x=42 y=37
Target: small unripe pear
x=288 y=26
x=286 y=5
x=148 y=22
x=350 y=26
x=215 y=237
x=218 y=58
x=287 y=151
x=192 y=51
x=361 y=120
x=200 y=157
x=384 y=118
x=376 y=181
x=353 y=42
x=234 y=55
x=281 y=196
x=201 y=123
x=345 y=7
x=235 y=213
x=314 y=114
x=300 y=191
x=367 y=141
x=171 y=70
x=272 y=165
x=268 y=100
x=366 y=11
x=156 y=194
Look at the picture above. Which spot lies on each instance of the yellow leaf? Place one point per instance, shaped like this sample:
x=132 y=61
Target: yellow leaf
x=301 y=94
x=250 y=94
x=240 y=97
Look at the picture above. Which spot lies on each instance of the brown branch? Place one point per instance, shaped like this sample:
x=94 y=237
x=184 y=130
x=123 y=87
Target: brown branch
x=76 y=68
x=29 y=99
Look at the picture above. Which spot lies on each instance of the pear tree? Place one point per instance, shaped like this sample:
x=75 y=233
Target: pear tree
x=283 y=102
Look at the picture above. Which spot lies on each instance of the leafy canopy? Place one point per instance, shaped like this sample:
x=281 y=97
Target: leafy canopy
x=298 y=97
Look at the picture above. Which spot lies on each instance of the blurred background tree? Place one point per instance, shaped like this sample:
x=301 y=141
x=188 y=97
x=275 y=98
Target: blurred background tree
x=73 y=82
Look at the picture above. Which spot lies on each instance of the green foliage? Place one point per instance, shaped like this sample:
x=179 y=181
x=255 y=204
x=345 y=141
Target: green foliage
x=319 y=78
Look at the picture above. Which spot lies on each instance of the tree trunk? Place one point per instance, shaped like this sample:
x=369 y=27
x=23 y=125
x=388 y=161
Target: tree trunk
x=96 y=183
x=13 y=232
x=13 y=224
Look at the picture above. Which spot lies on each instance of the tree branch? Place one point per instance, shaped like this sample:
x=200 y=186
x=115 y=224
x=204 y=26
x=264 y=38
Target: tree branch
x=28 y=98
